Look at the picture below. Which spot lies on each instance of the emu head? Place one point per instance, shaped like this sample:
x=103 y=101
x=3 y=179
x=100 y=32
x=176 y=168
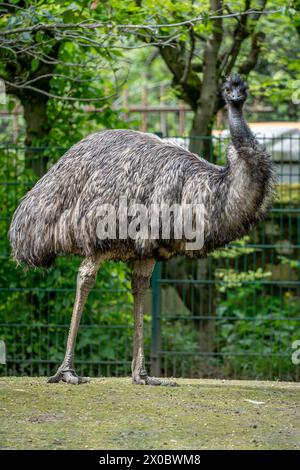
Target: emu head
x=235 y=90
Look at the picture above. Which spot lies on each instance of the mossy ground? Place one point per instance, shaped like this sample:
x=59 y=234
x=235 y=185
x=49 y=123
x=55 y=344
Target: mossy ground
x=114 y=414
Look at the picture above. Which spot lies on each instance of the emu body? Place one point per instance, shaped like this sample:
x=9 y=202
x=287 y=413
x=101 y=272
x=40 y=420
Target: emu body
x=60 y=214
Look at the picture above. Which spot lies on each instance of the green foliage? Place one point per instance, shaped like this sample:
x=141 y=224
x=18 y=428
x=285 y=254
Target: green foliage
x=293 y=263
x=248 y=322
x=251 y=336
x=231 y=278
x=82 y=75
x=274 y=80
x=234 y=250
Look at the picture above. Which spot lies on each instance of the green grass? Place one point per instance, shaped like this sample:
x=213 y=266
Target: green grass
x=114 y=414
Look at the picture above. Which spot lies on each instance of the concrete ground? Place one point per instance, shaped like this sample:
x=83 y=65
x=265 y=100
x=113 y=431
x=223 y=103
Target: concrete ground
x=111 y=413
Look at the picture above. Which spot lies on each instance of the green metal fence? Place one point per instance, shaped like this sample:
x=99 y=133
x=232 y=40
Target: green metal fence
x=236 y=314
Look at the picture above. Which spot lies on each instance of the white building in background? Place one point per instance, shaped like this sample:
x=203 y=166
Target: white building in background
x=282 y=139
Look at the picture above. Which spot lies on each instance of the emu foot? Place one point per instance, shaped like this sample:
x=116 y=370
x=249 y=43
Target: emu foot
x=141 y=379
x=69 y=376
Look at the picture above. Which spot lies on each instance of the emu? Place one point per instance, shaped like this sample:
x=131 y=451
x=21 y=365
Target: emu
x=59 y=214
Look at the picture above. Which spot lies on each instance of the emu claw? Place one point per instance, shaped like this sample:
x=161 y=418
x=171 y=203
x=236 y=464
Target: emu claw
x=69 y=376
x=146 y=380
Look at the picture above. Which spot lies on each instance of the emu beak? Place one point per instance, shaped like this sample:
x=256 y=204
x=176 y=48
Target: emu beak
x=235 y=96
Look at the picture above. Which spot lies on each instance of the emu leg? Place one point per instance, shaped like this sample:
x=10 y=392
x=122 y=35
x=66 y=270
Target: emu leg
x=141 y=276
x=85 y=281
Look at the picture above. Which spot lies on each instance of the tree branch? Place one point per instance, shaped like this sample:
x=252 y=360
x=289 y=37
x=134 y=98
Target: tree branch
x=189 y=57
x=241 y=33
x=252 y=58
x=207 y=98
x=51 y=95
x=109 y=25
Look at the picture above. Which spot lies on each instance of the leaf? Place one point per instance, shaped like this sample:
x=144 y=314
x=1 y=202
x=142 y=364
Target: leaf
x=26 y=36
x=35 y=64
x=11 y=105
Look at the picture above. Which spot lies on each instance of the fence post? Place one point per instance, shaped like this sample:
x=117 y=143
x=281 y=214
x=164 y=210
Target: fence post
x=144 y=113
x=155 y=334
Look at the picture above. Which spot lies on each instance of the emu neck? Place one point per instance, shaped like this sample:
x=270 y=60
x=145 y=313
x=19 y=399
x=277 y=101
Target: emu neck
x=241 y=135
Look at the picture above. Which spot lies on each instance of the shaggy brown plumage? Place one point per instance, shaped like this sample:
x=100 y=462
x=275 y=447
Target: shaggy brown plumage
x=60 y=214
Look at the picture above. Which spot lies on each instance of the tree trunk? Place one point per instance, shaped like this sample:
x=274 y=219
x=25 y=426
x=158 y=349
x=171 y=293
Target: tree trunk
x=37 y=127
x=206 y=104
x=201 y=143
x=34 y=104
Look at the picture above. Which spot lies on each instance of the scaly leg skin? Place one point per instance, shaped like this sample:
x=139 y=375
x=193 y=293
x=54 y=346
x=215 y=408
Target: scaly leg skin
x=140 y=283
x=85 y=281
x=69 y=376
x=145 y=379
